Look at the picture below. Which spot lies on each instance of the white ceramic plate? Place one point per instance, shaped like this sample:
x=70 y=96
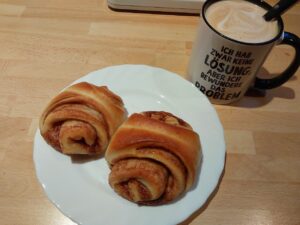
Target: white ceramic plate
x=81 y=190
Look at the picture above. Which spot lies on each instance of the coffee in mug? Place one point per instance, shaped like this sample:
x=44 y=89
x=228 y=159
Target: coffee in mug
x=241 y=21
x=232 y=43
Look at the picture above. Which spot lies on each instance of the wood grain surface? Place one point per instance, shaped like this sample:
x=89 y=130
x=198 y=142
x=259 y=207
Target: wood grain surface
x=45 y=45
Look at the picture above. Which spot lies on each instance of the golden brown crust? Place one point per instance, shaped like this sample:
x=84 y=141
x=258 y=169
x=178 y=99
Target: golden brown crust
x=162 y=139
x=82 y=119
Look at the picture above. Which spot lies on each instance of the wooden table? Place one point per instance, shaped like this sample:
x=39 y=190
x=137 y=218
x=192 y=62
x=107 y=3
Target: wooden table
x=45 y=45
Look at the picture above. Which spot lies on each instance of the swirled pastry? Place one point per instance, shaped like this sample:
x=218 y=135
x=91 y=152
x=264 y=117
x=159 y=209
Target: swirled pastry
x=82 y=119
x=153 y=157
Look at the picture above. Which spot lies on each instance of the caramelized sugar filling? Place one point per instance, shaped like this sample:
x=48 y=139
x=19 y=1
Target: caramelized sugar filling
x=167 y=118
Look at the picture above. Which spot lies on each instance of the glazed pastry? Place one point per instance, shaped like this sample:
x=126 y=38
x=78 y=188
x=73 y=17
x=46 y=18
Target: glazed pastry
x=154 y=158
x=82 y=119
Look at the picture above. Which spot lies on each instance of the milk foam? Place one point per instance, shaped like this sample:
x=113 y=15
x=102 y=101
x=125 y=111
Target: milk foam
x=241 y=20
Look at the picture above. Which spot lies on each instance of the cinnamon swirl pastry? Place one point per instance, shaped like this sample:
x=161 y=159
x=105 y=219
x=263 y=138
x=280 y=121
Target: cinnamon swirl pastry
x=153 y=157
x=82 y=119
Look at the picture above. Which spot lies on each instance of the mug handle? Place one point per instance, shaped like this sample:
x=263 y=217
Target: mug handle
x=288 y=39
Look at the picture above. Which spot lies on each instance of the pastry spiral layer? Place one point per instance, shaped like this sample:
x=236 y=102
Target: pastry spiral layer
x=82 y=119
x=153 y=157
